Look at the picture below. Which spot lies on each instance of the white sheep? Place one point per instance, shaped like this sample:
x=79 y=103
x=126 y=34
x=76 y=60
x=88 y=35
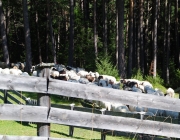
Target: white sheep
x=170 y=92
x=24 y=74
x=118 y=107
x=34 y=73
x=72 y=75
x=146 y=83
x=94 y=74
x=5 y=71
x=54 y=73
x=15 y=71
x=110 y=79
x=102 y=104
x=83 y=73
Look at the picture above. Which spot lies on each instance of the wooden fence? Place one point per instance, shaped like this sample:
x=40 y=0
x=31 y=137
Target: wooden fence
x=46 y=115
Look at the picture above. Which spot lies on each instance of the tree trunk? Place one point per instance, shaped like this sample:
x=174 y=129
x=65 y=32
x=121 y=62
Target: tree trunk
x=95 y=34
x=141 y=36
x=27 y=37
x=134 y=60
x=51 y=33
x=146 y=52
x=155 y=37
x=177 y=35
x=121 y=58
x=130 y=38
x=71 y=45
x=117 y=36
x=37 y=31
x=168 y=40
x=3 y=36
x=105 y=25
x=165 y=42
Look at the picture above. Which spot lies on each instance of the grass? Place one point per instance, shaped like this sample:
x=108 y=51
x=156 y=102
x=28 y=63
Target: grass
x=57 y=131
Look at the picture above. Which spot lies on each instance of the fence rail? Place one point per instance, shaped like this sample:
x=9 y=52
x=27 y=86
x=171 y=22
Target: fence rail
x=85 y=119
x=42 y=114
x=5 y=137
x=89 y=92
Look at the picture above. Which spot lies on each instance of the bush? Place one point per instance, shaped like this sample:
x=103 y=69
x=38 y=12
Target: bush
x=137 y=74
x=155 y=80
x=105 y=66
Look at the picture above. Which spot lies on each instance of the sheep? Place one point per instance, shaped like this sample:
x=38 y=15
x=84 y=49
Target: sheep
x=83 y=81
x=146 y=83
x=72 y=75
x=15 y=71
x=156 y=112
x=171 y=114
x=170 y=92
x=118 y=107
x=103 y=104
x=24 y=74
x=83 y=73
x=116 y=85
x=90 y=78
x=5 y=71
x=63 y=75
x=95 y=75
x=54 y=73
x=104 y=83
x=59 y=67
x=34 y=73
x=148 y=89
x=108 y=78
x=136 y=108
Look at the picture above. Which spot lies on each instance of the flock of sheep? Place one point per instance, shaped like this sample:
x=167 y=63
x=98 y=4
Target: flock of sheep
x=80 y=75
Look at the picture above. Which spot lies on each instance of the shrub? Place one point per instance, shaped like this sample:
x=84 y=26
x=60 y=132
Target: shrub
x=137 y=74
x=106 y=67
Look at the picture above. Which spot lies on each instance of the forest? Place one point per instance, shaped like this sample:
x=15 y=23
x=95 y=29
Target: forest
x=131 y=35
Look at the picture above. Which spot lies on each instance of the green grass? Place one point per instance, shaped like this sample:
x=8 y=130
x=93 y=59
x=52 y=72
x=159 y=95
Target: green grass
x=56 y=131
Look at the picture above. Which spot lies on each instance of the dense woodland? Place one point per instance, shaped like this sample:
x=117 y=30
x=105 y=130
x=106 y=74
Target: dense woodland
x=135 y=34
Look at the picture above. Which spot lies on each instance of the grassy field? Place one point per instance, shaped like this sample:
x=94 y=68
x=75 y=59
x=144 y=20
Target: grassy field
x=57 y=131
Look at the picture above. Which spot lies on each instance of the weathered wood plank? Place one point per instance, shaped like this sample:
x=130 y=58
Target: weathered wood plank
x=91 y=120
x=76 y=118
x=23 y=113
x=122 y=114
x=6 y=137
x=58 y=87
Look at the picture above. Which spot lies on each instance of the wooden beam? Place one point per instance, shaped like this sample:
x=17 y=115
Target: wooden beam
x=43 y=129
x=76 y=118
x=6 y=137
x=70 y=89
x=88 y=120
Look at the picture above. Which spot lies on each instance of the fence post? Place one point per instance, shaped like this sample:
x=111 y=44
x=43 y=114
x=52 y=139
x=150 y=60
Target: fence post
x=5 y=96
x=103 y=135
x=43 y=129
x=142 y=118
x=71 y=128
